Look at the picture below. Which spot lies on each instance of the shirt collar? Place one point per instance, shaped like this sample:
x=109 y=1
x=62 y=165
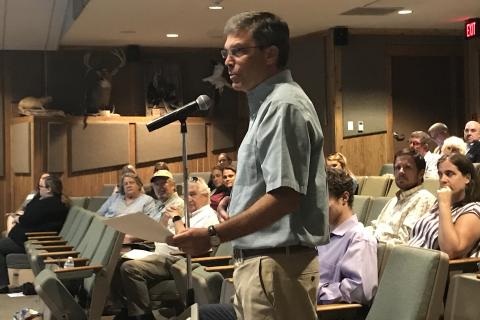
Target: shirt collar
x=404 y=194
x=198 y=211
x=345 y=226
x=257 y=95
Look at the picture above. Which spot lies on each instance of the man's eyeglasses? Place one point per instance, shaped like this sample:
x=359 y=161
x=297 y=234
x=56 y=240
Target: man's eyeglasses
x=193 y=179
x=236 y=51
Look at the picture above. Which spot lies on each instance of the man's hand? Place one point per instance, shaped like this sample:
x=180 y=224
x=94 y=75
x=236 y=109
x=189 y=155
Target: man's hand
x=194 y=241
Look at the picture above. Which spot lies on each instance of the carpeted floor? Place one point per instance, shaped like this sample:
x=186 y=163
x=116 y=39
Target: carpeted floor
x=8 y=306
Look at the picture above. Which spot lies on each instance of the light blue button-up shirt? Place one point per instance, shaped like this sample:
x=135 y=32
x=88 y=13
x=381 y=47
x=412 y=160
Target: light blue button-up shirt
x=282 y=148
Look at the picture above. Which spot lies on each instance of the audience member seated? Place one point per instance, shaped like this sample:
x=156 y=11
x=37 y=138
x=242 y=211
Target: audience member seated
x=137 y=275
x=453 y=145
x=127 y=168
x=224 y=160
x=471 y=135
x=338 y=161
x=45 y=212
x=348 y=270
x=438 y=132
x=419 y=143
x=129 y=199
x=411 y=202
x=229 y=175
x=163 y=185
x=453 y=224
x=12 y=215
x=218 y=189
x=160 y=165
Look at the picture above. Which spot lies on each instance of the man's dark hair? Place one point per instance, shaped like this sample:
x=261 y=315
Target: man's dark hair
x=338 y=182
x=417 y=158
x=267 y=30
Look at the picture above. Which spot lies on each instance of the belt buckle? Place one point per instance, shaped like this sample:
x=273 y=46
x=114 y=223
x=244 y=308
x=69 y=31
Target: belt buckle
x=237 y=257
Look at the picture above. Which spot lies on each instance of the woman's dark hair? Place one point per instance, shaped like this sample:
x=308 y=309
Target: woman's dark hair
x=135 y=177
x=230 y=167
x=56 y=188
x=465 y=166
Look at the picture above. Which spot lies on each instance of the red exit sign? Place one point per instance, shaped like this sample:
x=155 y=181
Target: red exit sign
x=472 y=28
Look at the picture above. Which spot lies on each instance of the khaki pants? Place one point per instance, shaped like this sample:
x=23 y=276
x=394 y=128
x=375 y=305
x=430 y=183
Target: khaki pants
x=278 y=286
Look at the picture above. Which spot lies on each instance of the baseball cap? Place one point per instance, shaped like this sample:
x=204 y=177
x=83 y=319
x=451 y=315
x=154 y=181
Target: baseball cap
x=162 y=173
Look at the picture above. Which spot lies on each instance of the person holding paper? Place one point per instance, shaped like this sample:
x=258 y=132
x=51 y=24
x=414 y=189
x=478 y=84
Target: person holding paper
x=136 y=275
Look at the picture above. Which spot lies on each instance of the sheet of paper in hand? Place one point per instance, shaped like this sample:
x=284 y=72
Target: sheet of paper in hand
x=139 y=225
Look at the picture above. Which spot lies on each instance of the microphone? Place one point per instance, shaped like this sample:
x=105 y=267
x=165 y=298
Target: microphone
x=202 y=103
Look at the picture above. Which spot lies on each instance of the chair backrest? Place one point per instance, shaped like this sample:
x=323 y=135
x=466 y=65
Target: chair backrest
x=375 y=186
x=95 y=203
x=411 y=286
x=107 y=189
x=431 y=185
x=463 y=297
x=90 y=241
x=374 y=209
x=383 y=251
x=387 y=168
x=224 y=249
x=360 y=206
x=79 y=201
x=69 y=224
x=392 y=191
x=81 y=227
x=360 y=181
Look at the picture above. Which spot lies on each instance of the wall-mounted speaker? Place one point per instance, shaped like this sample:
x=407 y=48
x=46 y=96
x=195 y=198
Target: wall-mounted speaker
x=340 y=36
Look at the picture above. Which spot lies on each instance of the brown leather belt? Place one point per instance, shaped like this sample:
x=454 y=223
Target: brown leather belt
x=247 y=253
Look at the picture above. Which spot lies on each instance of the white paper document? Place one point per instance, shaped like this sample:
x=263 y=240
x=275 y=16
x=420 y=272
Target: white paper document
x=141 y=226
x=137 y=254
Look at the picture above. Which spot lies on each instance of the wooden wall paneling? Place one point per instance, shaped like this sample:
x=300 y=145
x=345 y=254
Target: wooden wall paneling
x=56 y=147
x=472 y=79
x=364 y=153
x=21 y=147
x=363 y=85
x=99 y=145
x=389 y=118
x=222 y=136
x=166 y=142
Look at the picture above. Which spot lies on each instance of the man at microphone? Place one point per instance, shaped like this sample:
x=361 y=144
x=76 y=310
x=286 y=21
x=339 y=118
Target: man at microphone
x=279 y=209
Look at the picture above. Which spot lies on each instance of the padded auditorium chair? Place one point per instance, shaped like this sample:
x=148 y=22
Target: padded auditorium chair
x=375 y=208
x=387 y=168
x=375 y=186
x=88 y=303
x=411 y=286
x=360 y=206
x=463 y=297
x=95 y=203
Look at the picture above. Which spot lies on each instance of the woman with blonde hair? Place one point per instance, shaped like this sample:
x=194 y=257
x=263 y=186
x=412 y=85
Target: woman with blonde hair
x=453 y=145
x=338 y=161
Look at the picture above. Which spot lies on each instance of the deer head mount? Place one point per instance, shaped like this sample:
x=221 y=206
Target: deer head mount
x=99 y=77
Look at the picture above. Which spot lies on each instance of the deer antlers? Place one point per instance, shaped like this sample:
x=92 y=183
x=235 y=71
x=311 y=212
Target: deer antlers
x=119 y=53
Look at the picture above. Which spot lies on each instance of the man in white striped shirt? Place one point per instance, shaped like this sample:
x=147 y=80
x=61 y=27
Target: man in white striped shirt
x=411 y=202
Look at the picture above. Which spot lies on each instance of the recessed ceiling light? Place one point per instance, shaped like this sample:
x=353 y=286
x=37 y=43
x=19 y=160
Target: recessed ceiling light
x=405 y=11
x=128 y=31
x=216 y=5
x=172 y=35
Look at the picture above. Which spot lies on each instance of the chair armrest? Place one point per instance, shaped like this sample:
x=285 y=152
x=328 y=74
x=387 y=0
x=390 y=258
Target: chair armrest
x=226 y=271
x=77 y=272
x=82 y=261
x=55 y=248
x=48 y=242
x=338 y=306
x=58 y=253
x=45 y=238
x=213 y=261
x=41 y=233
x=465 y=265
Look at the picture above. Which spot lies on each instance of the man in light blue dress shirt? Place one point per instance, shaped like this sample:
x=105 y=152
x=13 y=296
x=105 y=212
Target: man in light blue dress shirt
x=278 y=212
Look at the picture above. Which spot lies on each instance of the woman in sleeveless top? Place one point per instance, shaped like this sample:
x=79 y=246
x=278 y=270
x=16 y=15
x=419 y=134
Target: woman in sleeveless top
x=453 y=224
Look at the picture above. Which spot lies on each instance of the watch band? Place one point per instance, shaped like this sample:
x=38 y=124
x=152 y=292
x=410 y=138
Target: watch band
x=176 y=218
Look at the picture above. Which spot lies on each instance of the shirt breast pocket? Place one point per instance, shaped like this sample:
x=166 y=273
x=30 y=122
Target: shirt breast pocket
x=248 y=171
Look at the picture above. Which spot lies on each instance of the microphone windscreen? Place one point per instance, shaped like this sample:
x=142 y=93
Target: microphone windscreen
x=204 y=102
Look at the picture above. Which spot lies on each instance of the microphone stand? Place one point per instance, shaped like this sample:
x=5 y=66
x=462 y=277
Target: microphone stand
x=190 y=295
